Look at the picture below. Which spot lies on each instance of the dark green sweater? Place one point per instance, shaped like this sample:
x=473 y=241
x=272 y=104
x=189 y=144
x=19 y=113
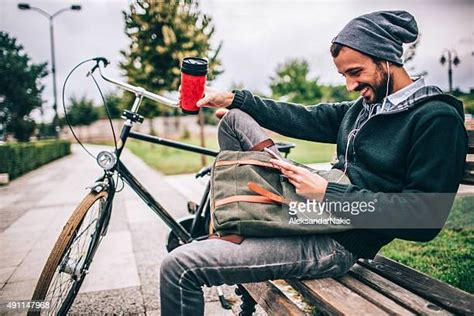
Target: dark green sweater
x=420 y=149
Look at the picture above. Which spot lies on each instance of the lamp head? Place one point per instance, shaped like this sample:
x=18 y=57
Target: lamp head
x=76 y=7
x=442 y=60
x=456 y=61
x=24 y=6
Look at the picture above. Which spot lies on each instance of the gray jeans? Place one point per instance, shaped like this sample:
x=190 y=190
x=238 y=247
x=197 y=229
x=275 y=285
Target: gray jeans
x=215 y=262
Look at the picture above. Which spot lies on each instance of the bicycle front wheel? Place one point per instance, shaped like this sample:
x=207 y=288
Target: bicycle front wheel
x=64 y=270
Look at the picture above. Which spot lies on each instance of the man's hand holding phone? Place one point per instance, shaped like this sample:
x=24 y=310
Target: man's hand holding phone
x=307 y=184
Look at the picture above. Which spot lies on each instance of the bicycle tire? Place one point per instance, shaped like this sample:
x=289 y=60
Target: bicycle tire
x=63 y=244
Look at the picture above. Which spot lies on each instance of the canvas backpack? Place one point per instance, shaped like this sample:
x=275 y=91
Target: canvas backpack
x=251 y=197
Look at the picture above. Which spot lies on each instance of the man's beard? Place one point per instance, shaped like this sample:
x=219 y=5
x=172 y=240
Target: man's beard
x=379 y=89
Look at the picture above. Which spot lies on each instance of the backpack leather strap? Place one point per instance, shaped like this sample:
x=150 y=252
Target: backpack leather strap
x=235 y=239
x=264 y=192
x=243 y=198
x=263 y=144
x=253 y=162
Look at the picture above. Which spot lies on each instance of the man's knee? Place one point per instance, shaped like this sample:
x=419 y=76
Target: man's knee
x=226 y=130
x=179 y=260
x=179 y=268
x=169 y=267
x=230 y=118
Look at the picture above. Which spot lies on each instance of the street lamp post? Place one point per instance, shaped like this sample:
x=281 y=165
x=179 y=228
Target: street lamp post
x=451 y=61
x=26 y=6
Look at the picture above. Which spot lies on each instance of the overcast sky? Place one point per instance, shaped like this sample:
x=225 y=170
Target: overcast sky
x=256 y=35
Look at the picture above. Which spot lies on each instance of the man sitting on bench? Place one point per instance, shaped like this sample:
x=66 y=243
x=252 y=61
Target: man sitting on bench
x=400 y=136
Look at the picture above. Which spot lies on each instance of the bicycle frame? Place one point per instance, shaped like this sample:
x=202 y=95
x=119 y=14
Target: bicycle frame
x=128 y=177
x=141 y=191
x=103 y=192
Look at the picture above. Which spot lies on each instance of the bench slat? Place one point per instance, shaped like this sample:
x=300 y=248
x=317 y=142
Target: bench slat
x=468 y=177
x=396 y=292
x=272 y=300
x=470 y=134
x=443 y=294
x=373 y=296
x=332 y=297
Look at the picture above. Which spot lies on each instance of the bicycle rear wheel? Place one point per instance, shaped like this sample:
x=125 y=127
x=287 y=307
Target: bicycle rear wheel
x=65 y=269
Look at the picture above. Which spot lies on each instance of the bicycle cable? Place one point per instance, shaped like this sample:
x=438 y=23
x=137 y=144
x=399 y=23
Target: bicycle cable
x=64 y=105
x=113 y=130
x=106 y=109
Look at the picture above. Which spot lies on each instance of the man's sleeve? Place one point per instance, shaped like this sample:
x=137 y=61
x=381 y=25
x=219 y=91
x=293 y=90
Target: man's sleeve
x=319 y=123
x=435 y=168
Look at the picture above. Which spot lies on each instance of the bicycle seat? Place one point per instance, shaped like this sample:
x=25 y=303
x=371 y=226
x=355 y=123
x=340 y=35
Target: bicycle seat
x=284 y=147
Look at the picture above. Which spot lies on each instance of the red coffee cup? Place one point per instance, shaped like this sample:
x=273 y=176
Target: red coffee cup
x=193 y=81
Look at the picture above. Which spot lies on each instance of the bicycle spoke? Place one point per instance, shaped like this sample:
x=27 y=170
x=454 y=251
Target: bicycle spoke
x=59 y=287
x=63 y=284
x=92 y=220
x=83 y=231
x=56 y=298
x=75 y=239
x=56 y=285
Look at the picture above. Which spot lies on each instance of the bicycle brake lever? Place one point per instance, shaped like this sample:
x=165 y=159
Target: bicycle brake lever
x=104 y=60
x=98 y=60
x=203 y=172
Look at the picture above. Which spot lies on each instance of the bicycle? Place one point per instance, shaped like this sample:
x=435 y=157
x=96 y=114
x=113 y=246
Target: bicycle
x=73 y=252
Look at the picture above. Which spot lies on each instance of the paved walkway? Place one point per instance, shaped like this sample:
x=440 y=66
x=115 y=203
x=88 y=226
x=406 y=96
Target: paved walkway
x=124 y=276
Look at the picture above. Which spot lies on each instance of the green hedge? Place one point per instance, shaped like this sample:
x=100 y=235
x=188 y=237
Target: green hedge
x=19 y=158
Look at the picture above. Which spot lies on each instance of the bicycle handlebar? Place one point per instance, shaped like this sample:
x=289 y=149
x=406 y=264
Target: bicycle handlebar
x=138 y=91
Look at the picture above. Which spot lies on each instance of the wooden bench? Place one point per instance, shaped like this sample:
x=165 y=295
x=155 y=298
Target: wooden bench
x=371 y=287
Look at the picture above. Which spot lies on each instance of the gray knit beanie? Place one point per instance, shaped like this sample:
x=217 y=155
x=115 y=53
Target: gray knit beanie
x=380 y=34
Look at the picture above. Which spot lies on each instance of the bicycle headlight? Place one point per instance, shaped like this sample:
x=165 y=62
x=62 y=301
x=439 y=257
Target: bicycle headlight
x=106 y=160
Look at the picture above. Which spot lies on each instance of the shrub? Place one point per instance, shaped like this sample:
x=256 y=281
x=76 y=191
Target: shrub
x=469 y=107
x=19 y=158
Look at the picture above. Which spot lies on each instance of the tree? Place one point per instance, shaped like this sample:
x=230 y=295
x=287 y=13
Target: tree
x=20 y=88
x=161 y=34
x=291 y=83
x=410 y=51
x=115 y=105
x=467 y=99
x=82 y=111
x=408 y=57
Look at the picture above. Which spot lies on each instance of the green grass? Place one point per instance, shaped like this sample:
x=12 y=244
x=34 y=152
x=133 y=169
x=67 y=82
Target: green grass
x=175 y=161
x=170 y=160
x=450 y=256
x=308 y=152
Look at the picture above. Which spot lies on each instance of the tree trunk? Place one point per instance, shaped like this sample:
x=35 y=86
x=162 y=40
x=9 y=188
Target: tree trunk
x=177 y=125
x=152 y=128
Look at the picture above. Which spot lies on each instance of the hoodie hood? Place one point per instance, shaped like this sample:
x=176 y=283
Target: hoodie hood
x=417 y=98
x=427 y=93
x=457 y=104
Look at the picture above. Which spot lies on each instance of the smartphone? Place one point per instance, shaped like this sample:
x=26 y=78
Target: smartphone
x=273 y=154
x=276 y=157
